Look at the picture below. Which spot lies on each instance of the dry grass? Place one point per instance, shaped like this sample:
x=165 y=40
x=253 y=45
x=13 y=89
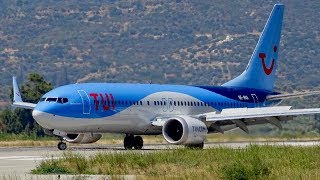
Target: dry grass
x=17 y=140
x=254 y=162
x=27 y=143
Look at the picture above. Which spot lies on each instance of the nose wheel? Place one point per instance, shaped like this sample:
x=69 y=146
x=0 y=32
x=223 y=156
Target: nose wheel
x=62 y=146
x=131 y=141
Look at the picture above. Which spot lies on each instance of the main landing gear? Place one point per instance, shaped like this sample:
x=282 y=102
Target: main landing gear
x=62 y=145
x=195 y=146
x=131 y=141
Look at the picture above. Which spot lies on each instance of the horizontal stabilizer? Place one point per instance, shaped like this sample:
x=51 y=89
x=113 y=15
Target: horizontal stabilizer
x=287 y=96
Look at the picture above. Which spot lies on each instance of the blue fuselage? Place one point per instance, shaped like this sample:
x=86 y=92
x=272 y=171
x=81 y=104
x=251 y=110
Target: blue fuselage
x=140 y=102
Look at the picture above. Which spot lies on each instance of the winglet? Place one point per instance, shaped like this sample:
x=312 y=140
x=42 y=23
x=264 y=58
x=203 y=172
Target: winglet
x=16 y=92
x=17 y=100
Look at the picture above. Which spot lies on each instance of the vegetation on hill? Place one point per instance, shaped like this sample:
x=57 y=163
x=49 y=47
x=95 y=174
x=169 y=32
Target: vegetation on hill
x=180 y=42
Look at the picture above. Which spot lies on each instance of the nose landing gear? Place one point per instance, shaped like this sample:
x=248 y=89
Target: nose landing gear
x=131 y=141
x=62 y=145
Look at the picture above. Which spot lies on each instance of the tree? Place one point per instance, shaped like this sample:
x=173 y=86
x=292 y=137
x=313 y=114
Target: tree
x=34 y=88
x=9 y=122
x=31 y=91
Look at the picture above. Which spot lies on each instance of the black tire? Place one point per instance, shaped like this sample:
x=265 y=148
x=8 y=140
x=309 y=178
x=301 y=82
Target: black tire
x=196 y=146
x=62 y=146
x=138 y=142
x=128 y=142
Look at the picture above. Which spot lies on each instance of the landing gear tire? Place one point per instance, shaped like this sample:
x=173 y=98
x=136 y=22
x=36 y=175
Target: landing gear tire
x=128 y=142
x=62 y=146
x=196 y=146
x=138 y=142
x=131 y=141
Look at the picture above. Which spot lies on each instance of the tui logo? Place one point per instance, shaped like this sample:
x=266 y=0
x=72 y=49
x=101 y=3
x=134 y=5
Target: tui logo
x=262 y=56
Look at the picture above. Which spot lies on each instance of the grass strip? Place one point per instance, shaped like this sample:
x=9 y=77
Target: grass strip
x=7 y=140
x=253 y=162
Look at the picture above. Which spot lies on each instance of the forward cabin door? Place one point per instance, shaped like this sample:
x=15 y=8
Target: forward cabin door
x=85 y=101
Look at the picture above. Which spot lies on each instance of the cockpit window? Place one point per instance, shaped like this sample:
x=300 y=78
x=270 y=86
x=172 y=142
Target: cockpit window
x=58 y=100
x=51 y=100
x=64 y=100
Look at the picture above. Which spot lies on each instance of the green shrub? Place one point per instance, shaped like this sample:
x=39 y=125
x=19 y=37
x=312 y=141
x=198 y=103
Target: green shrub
x=255 y=169
x=51 y=166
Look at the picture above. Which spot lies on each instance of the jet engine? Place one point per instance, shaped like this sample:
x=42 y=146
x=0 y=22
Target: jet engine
x=82 y=138
x=184 y=130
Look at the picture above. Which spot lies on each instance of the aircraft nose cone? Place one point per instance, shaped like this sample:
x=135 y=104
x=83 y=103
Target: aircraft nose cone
x=42 y=118
x=37 y=114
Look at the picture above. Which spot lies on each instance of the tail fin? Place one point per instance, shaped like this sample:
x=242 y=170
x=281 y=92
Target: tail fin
x=260 y=72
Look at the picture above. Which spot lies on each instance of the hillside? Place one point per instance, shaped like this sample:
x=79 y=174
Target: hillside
x=181 y=42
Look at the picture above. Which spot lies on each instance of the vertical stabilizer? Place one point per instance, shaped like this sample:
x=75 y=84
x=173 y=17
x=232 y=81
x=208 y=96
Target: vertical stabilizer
x=260 y=72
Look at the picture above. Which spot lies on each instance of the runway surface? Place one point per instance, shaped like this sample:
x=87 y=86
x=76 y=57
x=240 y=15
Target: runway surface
x=21 y=160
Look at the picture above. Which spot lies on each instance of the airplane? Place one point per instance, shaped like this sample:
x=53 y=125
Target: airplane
x=184 y=115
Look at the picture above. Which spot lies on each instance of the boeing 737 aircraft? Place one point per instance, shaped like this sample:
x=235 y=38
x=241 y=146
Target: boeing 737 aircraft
x=80 y=113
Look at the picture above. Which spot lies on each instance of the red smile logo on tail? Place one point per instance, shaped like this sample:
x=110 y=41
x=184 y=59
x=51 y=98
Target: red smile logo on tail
x=262 y=56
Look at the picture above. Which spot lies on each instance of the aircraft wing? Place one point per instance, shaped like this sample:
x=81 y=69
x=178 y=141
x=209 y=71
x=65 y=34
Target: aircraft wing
x=24 y=105
x=292 y=95
x=242 y=117
x=17 y=100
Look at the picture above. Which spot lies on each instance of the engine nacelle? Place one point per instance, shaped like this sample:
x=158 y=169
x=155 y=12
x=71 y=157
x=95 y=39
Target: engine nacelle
x=82 y=138
x=184 y=130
